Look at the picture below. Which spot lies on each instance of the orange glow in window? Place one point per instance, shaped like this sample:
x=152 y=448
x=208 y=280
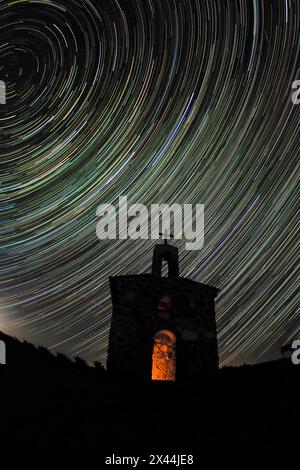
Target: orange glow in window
x=164 y=356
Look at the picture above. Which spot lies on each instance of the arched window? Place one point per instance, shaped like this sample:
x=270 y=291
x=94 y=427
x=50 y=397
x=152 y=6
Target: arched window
x=164 y=356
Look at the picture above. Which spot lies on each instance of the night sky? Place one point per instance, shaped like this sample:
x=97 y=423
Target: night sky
x=164 y=101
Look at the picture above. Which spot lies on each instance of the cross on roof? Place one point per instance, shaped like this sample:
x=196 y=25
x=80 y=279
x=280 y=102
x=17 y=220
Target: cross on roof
x=166 y=236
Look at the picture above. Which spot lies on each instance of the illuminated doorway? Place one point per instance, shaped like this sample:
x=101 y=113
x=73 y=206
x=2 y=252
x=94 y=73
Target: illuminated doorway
x=164 y=356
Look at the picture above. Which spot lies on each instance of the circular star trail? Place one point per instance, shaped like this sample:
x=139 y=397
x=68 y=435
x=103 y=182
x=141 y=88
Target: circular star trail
x=173 y=101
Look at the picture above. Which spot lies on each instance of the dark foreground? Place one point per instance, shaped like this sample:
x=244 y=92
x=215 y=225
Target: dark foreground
x=59 y=408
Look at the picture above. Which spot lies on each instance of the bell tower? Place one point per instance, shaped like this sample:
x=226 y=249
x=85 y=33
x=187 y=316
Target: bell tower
x=162 y=328
x=166 y=253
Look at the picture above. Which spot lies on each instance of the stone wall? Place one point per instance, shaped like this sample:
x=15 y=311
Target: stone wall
x=141 y=309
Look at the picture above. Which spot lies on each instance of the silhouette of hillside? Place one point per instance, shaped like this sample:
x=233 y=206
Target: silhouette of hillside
x=21 y=353
x=46 y=408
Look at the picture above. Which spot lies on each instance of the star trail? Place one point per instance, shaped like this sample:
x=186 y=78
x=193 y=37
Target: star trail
x=164 y=101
